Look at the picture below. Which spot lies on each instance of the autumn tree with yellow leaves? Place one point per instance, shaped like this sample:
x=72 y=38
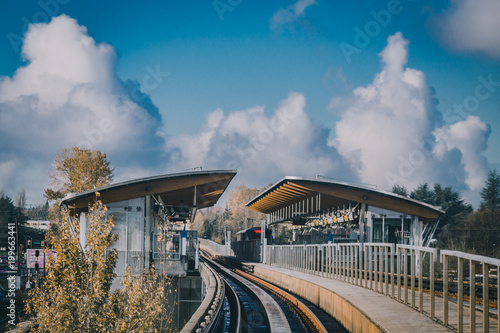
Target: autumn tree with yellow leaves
x=239 y=217
x=76 y=295
x=76 y=170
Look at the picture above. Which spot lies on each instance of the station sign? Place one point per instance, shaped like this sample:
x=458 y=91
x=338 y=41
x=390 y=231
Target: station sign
x=42 y=258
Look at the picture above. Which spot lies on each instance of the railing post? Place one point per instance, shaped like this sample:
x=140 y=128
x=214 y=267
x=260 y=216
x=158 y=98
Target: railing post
x=413 y=255
x=398 y=283
x=327 y=260
x=472 y=295
x=486 y=301
x=405 y=270
x=420 y=281
x=369 y=270
x=386 y=267
x=341 y=262
x=316 y=256
x=460 y=326
x=353 y=263
x=445 y=290
x=309 y=258
x=357 y=264
x=336 y=262
x=393 y=258
x=381 y=269
x=347 y=264
x=304 y=259
x=324 y=260
x=433 y=297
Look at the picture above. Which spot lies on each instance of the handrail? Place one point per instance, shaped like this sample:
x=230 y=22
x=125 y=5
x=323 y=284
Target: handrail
x=413 y=275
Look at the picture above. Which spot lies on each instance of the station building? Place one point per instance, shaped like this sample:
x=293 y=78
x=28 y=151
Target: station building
x=151 y=217
x=321 y=211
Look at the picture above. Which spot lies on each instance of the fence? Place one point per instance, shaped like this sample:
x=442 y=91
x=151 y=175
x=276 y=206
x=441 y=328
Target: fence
x=420 y=277
x=215 y=247
x=247 y=249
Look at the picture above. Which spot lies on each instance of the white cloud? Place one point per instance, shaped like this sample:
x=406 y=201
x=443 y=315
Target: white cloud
x=470 y=138
x=290 y=14
x=470 y=25
x=68 y=95
x=262 y=148
x=391 y=134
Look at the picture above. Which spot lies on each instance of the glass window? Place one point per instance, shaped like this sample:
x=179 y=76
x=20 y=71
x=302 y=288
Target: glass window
x=134 y=231
x=120 y=228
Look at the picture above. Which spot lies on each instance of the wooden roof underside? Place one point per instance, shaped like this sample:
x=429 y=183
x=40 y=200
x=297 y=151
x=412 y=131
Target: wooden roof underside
x=335 y=194
x=173 y=189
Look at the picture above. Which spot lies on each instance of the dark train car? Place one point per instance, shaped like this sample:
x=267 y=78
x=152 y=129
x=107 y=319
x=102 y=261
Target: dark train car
x=253 y=233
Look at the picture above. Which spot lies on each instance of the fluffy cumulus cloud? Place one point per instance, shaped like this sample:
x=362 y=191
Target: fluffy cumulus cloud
x=290 y=14
x=471 y=25
x=67 y=95
x=263 y=148
x=392 y=133
x=470 y=138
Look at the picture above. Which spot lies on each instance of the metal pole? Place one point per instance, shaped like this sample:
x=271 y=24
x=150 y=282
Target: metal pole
x=383 y=228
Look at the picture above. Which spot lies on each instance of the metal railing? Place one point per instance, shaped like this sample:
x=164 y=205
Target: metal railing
x=414 y=275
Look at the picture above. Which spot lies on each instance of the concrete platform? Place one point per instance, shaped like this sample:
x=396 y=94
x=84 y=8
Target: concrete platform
x=356 y=308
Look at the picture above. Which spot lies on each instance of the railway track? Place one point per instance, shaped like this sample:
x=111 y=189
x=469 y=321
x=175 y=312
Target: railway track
x=254 y=305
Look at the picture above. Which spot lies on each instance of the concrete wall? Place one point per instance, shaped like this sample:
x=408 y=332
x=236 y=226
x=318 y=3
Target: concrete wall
x=353 y=319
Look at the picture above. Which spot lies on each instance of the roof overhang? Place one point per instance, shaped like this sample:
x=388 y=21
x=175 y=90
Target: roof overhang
x=199 y=188
x=291 y=190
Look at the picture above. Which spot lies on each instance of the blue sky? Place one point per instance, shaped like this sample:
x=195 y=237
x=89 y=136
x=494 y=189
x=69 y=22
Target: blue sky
x=214 y=75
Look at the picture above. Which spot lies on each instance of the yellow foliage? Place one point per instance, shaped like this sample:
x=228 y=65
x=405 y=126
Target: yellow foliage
x=76 y=170
x=240 y=216
x=76 y=293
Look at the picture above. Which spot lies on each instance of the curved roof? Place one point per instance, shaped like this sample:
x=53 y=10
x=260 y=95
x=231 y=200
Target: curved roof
x=174 y=189
x=291 y=190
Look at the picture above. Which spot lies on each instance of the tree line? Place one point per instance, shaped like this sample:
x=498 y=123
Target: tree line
x=461 y=227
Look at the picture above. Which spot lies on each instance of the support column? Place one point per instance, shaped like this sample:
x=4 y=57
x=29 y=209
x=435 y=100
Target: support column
x=147 y=232
x=263 y=226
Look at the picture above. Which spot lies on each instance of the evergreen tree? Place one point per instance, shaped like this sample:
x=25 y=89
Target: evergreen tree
x=450 y=201
x=400 y=189
x=423 y=193
x=9 y=214
x=491 y=192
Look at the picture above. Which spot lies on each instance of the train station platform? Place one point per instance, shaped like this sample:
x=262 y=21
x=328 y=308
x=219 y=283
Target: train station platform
x=356 y=308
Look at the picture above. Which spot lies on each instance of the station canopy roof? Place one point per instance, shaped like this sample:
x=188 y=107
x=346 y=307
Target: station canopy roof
x=173 y=189
x=292 y=190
